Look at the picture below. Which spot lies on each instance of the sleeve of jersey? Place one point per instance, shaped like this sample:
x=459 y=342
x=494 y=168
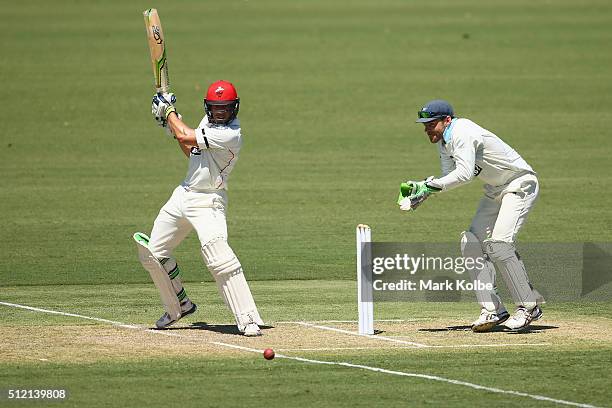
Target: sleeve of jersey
x=212 y=138
x=446 y=163
x=465 y=160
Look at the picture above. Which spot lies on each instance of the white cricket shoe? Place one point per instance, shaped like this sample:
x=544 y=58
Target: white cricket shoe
x=522 y=318
x=252 y=330
x=165 y=321
x=488 y=320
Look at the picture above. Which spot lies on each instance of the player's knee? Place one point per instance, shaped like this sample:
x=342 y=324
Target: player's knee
x=498 y=250
x=162 y=257
x=220 y=258
x=169 y=264
x=158 y=251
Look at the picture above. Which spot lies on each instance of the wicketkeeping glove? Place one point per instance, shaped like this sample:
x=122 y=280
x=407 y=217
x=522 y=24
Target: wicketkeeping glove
x=413 y=193
x=162 y=106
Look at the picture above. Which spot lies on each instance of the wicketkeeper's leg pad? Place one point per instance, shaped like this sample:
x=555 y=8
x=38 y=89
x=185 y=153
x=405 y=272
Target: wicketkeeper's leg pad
x=233 y=287
x=504 y=256
x=471 y=247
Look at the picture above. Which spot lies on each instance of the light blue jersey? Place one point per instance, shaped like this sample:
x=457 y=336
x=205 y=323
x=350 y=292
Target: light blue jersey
x=468 y=150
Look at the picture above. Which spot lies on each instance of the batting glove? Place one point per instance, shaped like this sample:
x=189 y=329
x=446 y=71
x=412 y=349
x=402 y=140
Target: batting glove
x=162 y=106
x=161 y=122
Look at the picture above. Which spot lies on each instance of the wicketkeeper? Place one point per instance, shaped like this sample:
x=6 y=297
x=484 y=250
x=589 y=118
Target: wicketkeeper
x=511 y=189
x=199 y=203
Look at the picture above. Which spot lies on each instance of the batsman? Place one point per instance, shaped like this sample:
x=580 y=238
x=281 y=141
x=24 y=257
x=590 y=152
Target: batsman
x=511 y=188
x=199 y=203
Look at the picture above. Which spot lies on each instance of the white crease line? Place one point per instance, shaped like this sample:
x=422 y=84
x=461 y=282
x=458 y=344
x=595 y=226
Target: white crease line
x=412 y=348
x=237 y=347
x=446 y=380
x=307 y=360
x=416 y=345
x=491 y=345
x=97 y=319
x=349 y=321
x=375 y=337
x=345 y=348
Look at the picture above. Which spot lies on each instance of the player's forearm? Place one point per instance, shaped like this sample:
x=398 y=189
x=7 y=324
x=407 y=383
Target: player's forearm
x=183 y=133
x=452 y=180
x=458 y=171
x=186 y=149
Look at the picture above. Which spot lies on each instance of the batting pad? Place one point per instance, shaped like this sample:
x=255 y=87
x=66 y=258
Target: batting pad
x=472 y=248
x=512 y=269
x=159 y=275
x=233 y=287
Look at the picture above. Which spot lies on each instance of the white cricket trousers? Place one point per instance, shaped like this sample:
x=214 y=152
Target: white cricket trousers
x=184 y=211
x=503 y=210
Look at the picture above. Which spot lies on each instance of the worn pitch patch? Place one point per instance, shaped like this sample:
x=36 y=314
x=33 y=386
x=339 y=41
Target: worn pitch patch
x=87 y=343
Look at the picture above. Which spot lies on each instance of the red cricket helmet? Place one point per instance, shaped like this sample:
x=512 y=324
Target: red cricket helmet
x=221 y=103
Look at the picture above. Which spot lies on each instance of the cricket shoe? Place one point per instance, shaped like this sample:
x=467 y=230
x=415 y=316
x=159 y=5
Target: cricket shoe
x=488 y=320
x=536 y=313
x=523 y=318
x=166 y=321
x=252 y=330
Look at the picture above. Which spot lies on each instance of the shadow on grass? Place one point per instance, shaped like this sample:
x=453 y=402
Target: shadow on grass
x=217 y=328
x=534 y=328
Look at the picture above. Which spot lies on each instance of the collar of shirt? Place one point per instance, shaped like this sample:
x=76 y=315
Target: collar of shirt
x=447 y=132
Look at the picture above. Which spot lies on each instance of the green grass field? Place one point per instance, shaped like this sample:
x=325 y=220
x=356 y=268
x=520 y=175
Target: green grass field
x=329 y=93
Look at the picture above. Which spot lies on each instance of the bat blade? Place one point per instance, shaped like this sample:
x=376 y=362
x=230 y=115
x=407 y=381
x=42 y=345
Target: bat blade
x=157 y=46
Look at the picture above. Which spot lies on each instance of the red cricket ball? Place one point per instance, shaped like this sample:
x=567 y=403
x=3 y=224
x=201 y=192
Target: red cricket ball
x=268 y=354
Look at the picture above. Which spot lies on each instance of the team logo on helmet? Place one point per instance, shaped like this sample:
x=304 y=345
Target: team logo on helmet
x=221 y=103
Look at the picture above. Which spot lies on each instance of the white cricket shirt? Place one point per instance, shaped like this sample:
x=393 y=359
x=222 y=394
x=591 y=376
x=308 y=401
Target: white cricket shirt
x=468 y=150
x=212 y=161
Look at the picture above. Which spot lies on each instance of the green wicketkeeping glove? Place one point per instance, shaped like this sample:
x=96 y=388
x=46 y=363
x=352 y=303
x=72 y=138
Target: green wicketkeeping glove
x=422 y=187
x=414 y=193
x=415 y=189
x=405 y=190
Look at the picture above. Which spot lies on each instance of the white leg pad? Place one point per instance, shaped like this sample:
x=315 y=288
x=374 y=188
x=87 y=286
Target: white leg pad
x=539 y=298
x=504 y=256
x=159 y=275
x=472 y=248
x=233 y=287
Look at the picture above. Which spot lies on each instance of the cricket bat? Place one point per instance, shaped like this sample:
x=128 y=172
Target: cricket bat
x=157 y=46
